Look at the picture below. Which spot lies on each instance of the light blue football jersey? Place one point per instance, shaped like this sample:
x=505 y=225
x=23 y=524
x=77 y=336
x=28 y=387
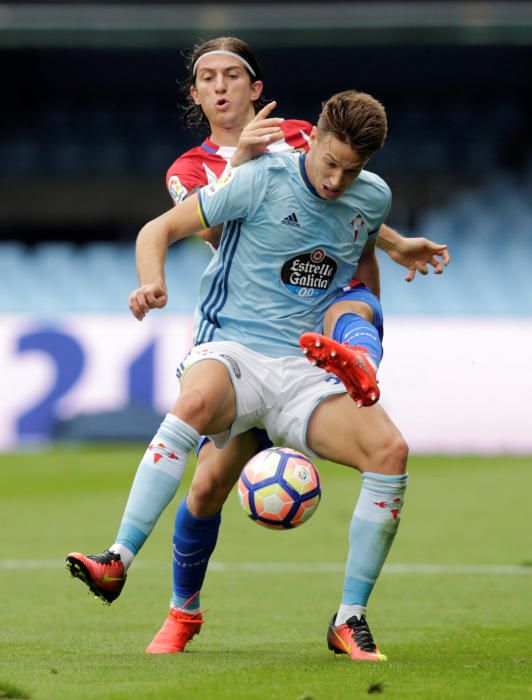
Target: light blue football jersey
x=284 y=253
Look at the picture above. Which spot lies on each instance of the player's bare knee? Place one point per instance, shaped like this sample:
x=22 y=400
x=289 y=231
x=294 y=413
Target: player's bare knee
x=337 y=310
x=398 y=455
x=193 y=408
x=391 y=456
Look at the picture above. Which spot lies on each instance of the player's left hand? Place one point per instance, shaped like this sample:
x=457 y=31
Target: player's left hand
x=417 y=254
x=256 y=136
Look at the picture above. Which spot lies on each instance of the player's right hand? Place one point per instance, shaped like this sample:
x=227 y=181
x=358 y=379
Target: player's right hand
x=256 y=136
x=146 y=297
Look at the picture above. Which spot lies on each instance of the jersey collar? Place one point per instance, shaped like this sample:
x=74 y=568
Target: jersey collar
x=209 y=146
x=225 y=152
x=303 y=173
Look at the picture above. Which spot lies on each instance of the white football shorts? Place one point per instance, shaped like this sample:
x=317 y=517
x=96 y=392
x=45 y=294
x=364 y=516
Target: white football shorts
x=278 y=394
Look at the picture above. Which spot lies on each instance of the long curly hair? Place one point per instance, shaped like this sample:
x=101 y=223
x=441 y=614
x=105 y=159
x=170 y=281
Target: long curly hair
x=192 y=115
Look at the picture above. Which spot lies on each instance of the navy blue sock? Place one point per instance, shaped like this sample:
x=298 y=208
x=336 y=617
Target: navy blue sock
x=194 y=542
x=355 y=330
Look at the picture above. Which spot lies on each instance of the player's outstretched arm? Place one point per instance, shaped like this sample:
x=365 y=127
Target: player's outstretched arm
x=257 y=135
x=416 y=254
x=152 y=245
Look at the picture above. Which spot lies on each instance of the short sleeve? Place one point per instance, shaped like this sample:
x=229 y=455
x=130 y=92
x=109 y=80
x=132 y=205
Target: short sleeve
x=176 y=189
x=236 y=195
x=185 y=175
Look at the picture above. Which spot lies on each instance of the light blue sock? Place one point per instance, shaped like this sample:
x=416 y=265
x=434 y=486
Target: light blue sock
x=355 y=330
x=372 y=531
x=156 y=481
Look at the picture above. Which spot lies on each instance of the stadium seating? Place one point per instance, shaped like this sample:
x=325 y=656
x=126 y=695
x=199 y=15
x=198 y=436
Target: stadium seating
x=487 y=231
x=141 y=137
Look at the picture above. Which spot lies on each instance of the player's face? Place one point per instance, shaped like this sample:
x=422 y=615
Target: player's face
x=332 y=165
x=225 y=92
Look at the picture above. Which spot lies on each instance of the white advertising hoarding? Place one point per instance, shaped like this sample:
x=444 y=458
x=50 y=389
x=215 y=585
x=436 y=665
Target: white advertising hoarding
x=459 y=384
x=450 y=384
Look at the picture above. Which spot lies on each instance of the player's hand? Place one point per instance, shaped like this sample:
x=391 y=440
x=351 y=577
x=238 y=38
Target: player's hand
x=261 y=131
x=146 y=297
x=417 y=254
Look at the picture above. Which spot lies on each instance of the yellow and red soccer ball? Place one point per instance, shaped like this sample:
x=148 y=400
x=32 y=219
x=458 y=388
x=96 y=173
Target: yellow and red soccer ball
x=279 y=488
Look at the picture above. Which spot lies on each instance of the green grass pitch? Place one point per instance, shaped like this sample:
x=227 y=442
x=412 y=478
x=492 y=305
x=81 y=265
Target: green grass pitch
x=460 y=627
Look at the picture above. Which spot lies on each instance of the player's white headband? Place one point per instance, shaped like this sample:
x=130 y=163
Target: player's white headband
x=221 y=52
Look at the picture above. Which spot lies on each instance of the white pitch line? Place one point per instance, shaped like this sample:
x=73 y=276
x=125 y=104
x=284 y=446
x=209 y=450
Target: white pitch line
x=304 y=568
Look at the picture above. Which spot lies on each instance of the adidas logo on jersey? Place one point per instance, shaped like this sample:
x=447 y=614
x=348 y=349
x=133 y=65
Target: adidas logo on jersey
x=291 y=220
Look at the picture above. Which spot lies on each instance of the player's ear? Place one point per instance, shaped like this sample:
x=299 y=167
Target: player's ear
x=194 y=94
x=313 y=135
x=256 y=90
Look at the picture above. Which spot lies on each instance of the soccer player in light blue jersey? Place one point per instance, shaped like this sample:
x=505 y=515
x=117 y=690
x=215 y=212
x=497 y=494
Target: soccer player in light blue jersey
x=225 y=70
x=261 y=290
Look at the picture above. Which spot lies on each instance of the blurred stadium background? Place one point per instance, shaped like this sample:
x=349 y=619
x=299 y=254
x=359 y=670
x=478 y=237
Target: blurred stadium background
x=90 y=124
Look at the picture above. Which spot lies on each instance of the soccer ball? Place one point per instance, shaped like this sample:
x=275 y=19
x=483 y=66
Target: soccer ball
x=279 y=488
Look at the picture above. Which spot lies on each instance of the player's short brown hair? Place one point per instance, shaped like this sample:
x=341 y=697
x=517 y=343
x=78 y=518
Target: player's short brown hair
x=355 y=118
x=193 y=116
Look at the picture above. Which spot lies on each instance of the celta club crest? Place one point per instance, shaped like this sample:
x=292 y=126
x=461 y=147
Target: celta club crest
x=393 y=506
x=357 y=224
x=160 y=450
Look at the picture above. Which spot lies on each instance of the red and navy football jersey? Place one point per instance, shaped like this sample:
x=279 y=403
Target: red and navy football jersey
x=207 y=163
